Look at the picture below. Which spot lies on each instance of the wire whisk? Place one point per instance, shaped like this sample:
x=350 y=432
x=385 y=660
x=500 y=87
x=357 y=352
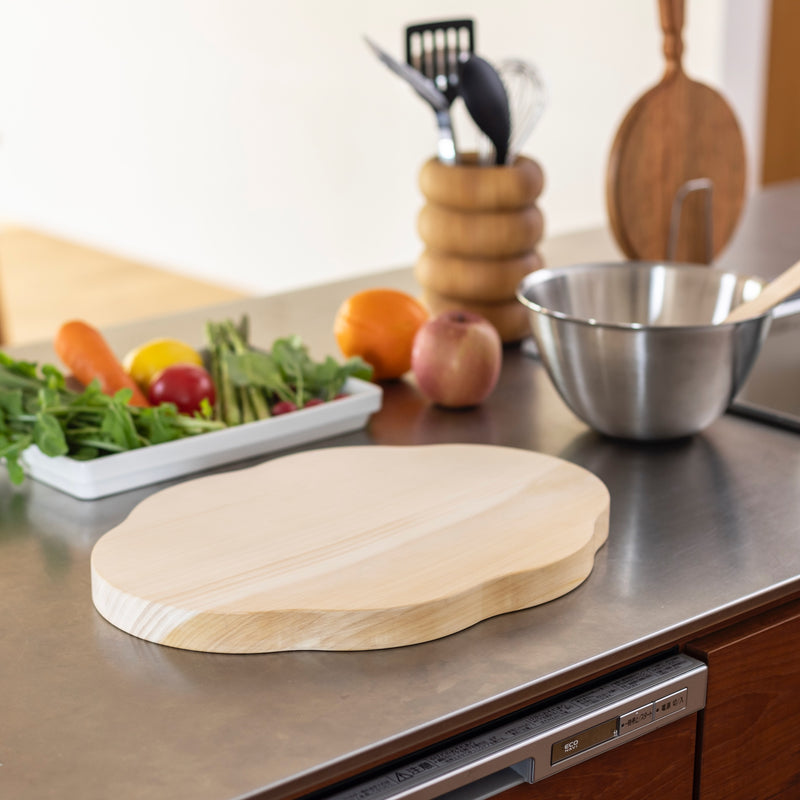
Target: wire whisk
x=527 y=96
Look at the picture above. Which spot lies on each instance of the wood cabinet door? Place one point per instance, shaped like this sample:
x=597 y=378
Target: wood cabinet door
x=659 y=765
x=749 y=747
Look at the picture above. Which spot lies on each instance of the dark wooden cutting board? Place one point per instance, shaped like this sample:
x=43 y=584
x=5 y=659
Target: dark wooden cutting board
x=680 y=130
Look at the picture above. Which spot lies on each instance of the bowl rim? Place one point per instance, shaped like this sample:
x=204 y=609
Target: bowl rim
x=549 y=273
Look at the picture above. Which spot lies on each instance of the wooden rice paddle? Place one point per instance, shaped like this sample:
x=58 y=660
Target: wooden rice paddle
x=680 y=130
x=776 y=291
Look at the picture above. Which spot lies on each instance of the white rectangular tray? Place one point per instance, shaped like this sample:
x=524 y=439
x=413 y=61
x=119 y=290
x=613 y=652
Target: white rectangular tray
x=120 y=472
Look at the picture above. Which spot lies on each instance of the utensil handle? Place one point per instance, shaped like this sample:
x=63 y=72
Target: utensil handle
x=672 y=15
x=777 y=290
x=694 y=185
x=446 y=145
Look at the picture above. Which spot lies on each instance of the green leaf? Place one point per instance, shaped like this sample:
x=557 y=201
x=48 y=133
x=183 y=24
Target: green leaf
x=293 y=360
x=256 y=368
x=117 y=424
x=11 y=452
x=327 y=379
x=14 y=447
x=53 y=377
x=49 y=398
x=84 y=453
x=15 y=471
x=26 y=369
x=123 y=396
x=48 y=435
x=157 y=424
x=356 y=367
x=93 y=393
x=11 y=402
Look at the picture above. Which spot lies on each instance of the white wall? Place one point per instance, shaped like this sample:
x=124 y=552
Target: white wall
x=261 y=145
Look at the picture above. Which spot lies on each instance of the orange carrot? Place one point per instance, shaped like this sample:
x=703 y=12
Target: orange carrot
x=82 y=348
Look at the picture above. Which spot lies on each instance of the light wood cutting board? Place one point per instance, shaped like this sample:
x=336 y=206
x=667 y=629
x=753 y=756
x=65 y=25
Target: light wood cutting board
x=350 y=548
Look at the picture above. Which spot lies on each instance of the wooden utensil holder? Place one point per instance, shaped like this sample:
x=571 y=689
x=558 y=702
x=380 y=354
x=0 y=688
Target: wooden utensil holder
x=480 y=226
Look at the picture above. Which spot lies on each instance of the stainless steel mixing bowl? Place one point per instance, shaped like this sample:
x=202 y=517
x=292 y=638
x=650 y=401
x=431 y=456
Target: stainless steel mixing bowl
x=636 y=349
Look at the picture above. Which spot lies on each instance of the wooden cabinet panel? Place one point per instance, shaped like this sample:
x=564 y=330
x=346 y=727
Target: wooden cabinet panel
x=658 y=765
x=750 y=749
x=781 y=156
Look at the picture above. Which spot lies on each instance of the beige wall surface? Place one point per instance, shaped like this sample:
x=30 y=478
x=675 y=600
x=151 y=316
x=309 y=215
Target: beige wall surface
x=260 y=144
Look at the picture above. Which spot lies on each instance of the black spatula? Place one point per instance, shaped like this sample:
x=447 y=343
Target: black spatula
x=436 y=48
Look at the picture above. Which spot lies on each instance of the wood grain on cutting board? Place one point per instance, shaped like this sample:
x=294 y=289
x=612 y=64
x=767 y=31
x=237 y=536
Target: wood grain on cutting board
x=350 y=548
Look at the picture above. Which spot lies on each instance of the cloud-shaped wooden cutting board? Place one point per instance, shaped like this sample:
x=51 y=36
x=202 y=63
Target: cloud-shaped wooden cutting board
x=350 y=548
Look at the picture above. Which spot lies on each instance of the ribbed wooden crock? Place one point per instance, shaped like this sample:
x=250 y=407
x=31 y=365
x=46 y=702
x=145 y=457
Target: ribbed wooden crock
x=480 y=226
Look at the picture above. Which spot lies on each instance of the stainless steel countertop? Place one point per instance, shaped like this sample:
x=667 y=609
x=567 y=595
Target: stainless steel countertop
x=701 y=530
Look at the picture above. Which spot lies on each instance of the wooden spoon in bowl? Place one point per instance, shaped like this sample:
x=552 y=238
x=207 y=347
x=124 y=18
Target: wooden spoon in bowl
x=777 y=290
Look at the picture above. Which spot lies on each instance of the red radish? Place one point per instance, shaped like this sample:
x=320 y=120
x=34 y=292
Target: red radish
x=283 y=407
x=185 y=385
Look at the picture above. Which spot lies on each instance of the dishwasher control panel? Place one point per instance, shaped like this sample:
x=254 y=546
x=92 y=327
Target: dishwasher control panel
x=550 y=738
x=620 y=725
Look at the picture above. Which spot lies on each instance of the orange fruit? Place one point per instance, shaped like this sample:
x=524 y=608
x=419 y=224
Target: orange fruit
x=379 y=325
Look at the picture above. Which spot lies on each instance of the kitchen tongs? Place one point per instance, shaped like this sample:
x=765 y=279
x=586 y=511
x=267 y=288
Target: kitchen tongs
x=427 y=90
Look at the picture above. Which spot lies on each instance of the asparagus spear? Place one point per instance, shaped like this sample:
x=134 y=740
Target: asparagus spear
x=251 y=397
x=227 y=405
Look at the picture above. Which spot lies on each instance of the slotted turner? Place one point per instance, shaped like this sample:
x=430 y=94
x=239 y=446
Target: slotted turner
x=434 y=48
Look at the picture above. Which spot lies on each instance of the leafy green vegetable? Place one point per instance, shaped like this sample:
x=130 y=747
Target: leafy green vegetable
x=36 y=407
x=250 y=381
x=48 y=435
